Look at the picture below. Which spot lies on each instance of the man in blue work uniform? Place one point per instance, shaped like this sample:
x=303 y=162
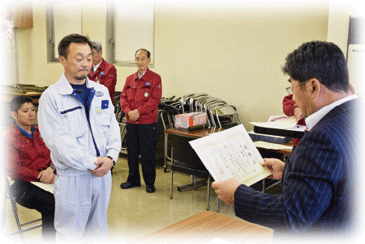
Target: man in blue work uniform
x=77 y=121
x=139 y=100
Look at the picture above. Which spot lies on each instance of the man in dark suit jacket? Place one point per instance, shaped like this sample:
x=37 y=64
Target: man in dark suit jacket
x=317 y=178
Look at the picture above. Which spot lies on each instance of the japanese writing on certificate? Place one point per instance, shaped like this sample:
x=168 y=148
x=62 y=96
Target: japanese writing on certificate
x=231 y=154
x=235 y=159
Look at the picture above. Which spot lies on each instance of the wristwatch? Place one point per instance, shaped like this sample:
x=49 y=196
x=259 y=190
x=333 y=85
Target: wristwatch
x=112 y=160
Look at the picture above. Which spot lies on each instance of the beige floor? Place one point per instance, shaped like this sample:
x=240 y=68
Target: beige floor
x=134 y=213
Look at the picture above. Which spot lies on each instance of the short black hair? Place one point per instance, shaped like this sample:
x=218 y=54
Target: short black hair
x=148 y=52
x=18 y=101
x=67 y=40
x=321 y=60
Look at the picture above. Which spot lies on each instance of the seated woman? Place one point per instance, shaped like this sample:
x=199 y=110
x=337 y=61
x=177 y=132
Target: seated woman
x=28 y=159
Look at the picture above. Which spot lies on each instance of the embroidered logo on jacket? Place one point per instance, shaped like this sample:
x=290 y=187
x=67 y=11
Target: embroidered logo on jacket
x=99 y=94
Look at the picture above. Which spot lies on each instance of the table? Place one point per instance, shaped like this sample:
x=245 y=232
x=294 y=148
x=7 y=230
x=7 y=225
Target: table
x=207 y=226
x=270 y=153
x=196 y=134
x=7 y=96
x=281 y=151
x=205 y=132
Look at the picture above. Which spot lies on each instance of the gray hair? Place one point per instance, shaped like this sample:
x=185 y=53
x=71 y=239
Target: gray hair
x=96 y=45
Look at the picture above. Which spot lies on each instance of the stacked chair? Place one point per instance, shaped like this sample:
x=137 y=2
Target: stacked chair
x=220 y=114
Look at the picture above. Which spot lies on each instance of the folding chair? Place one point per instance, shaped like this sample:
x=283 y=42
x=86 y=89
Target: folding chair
x=21 y=226
x=227 y=116
x=123 y=135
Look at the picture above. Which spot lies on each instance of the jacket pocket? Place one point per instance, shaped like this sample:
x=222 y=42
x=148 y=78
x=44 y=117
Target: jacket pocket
x=130 y=93
x=74 y=120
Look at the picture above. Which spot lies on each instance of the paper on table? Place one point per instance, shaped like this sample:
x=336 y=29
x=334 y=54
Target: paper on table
x=44 y=186
x=278 y=124
x=231 y=154
x=269 y=145
x=285 y=124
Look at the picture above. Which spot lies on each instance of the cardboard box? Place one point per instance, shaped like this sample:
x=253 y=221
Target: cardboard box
x=184 y=121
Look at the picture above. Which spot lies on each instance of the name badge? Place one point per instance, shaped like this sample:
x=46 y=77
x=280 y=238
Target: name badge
x=146 y=94
x=104 y=104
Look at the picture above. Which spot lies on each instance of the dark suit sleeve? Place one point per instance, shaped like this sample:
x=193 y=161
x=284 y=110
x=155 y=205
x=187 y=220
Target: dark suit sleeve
x=309 y=182
x=260 y=208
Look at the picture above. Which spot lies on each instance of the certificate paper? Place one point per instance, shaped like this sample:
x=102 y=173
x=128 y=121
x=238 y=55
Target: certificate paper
x=231 y=154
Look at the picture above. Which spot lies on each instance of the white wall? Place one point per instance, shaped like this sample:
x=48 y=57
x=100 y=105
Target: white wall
x=338 y=29
x=231 y=50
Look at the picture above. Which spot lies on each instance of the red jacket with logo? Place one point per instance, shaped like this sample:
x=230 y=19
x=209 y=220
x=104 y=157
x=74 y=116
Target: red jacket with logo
x=142 y=94
x=106 y=74
x=24 y=157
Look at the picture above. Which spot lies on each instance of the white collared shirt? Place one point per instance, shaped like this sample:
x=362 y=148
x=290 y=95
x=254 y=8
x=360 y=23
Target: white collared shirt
x=140 y=75
x=314 y=118
x=95 y=67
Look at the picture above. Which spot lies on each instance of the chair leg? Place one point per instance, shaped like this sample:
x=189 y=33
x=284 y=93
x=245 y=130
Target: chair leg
x=194 y=180
x=172 y=180
x=172 y=172
x=208 y=194
x=14 y=207
x=218 y=204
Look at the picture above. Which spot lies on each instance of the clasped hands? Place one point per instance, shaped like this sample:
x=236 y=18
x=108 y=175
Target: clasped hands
x=226 y=189
x=133 y=115
x=47 y=176
x=103 y=165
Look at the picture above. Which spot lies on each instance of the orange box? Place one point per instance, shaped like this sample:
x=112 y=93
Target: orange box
x=187 y=120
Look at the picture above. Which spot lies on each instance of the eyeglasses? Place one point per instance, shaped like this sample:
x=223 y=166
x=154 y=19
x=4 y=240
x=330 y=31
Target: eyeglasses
x=290 y=88
x=142 y=59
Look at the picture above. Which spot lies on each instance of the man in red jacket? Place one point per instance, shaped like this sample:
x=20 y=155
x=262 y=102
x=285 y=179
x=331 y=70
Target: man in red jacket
x=102 y=72
x=139 y=100
x=28 y=159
